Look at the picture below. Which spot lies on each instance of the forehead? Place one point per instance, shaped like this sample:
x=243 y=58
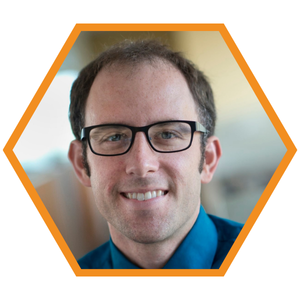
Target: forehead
x=139 y=95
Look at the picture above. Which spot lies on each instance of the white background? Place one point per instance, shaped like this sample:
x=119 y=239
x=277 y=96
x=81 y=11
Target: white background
x=32 y=34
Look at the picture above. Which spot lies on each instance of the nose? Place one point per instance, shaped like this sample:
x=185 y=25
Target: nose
x=141 y=158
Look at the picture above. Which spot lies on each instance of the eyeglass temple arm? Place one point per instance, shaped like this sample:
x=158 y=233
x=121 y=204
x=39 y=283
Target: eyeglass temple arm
x=82 y=135
x=201 y=128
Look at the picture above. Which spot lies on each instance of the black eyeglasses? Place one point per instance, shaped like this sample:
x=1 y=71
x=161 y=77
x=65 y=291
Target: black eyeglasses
x=164 y=137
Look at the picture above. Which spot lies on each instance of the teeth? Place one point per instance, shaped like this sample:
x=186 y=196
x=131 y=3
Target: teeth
x=140 y=197
x=146 y=196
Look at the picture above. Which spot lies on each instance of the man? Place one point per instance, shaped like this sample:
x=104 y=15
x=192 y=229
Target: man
x=143 y=117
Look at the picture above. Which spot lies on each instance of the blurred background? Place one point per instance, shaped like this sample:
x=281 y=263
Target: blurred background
x=252 y=149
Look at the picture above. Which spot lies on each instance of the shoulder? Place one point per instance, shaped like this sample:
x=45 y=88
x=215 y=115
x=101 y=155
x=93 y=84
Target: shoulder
x=227 y=232
x=226 y=229
x=99 y=258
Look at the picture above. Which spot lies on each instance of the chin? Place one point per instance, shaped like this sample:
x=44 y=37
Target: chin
x=147 y=238
x=148 y=233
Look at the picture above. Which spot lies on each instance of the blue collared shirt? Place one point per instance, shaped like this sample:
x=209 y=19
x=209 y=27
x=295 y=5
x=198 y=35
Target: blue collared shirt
x=205 y=247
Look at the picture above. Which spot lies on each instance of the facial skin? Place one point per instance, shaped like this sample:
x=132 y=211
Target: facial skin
x=141 y=96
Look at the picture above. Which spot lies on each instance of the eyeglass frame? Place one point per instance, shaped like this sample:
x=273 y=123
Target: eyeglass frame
x=195 y=127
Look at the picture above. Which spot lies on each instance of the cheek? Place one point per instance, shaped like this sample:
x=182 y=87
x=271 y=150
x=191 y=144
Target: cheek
x=184 y=167
x=104 y=175
x=103 y=184
x=188 y=160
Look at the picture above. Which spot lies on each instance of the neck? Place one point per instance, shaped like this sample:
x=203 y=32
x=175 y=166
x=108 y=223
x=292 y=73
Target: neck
x=153 y=255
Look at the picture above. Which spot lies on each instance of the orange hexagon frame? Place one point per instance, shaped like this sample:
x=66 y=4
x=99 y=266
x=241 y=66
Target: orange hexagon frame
x=8 y=149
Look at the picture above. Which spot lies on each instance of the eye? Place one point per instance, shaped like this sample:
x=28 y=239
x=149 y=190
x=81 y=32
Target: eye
x=167 y=135
x=115 y=138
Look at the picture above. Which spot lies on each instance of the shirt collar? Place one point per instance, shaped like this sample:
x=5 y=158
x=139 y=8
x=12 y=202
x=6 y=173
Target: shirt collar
x=197 y=250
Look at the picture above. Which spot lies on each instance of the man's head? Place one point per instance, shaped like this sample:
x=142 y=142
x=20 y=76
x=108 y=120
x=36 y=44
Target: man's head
x=138 y=84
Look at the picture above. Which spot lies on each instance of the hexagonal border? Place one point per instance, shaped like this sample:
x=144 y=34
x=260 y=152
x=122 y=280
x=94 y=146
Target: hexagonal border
x=8 y=149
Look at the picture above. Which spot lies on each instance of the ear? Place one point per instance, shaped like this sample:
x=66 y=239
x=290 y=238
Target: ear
x=75 y=157
x=213 y=153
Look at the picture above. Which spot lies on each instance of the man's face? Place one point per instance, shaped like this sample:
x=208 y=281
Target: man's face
x=138 y=97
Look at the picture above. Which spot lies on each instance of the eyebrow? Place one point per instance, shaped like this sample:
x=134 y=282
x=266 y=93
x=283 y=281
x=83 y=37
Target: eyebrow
x=116 y=126
x=123 y=124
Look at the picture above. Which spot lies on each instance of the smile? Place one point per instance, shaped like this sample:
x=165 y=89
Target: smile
x=145 y=196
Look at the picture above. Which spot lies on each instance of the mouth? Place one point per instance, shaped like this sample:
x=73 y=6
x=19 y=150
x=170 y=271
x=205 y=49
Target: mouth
x=145 y=196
